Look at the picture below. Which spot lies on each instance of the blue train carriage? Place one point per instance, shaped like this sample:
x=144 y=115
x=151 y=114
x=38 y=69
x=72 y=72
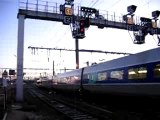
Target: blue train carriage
x=137 y=74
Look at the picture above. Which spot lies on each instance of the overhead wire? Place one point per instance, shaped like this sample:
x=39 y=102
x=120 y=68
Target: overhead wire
x=154 y=39
x=130 y=36
x=94 y=3
x=157 y=42
x=80 y=2
x=62 y=38
x=115 y=3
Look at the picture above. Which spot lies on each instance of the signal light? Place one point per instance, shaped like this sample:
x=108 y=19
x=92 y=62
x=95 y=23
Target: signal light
x=88 y=10
x=131 y=9
x=12 y=72
x=82 y=30
x=143 y=19
x=61 y=8
x=155 y=14
x=5 y=73
x=82 y=26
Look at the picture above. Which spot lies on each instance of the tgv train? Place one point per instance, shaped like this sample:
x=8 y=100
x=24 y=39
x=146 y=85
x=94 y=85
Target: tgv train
x=137 y=74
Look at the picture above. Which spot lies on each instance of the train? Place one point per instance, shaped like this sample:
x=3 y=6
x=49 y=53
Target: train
x=44 y=82
x=134 y=75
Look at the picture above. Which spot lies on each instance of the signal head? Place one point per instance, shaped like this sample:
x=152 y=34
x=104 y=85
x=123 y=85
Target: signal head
x=155 y=14
x=131 y=9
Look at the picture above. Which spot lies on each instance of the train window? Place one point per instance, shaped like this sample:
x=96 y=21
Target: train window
x=118 y=75
x=102 y=76
x=92 y=78
x=137 y=73
x=157 y=71
x=85 y=78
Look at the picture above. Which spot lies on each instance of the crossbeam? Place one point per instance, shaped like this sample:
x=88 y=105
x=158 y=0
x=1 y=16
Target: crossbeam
x=5 y=68
x=81 y=50
x=58 y=17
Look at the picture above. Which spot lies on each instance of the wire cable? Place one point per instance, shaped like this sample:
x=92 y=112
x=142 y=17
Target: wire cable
x=130 y=36
x=114 y=4
x=95 y=3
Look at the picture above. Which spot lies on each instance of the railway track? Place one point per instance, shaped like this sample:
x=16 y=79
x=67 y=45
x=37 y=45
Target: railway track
x=76 y=109
x=72 y=110
x=120 y=110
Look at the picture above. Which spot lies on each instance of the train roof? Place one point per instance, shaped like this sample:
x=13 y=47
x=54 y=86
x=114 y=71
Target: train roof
x=148 y=56
x=131 y=60
x=70 y=73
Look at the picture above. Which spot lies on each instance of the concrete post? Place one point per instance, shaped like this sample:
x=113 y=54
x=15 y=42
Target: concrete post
x=20 y=48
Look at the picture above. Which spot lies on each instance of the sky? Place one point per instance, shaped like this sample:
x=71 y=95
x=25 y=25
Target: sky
x=39 y=33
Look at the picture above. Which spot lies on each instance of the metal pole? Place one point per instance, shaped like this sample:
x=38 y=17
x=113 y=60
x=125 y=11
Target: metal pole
x=53 y=68
x=27 y=5
x=20 y=48
x=77 y=54
x=56 y=8
x=37 y=5
x=5 y=92
x=5 y=98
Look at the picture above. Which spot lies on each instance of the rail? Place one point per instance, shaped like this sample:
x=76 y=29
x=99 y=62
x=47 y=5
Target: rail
x=71 y=110
x=70 y=113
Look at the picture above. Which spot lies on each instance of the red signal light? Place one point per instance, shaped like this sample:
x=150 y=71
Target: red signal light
x=82 y=22
x=82 y=30
x=82 y=26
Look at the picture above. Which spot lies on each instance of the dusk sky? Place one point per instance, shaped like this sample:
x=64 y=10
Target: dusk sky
x=40 y=33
